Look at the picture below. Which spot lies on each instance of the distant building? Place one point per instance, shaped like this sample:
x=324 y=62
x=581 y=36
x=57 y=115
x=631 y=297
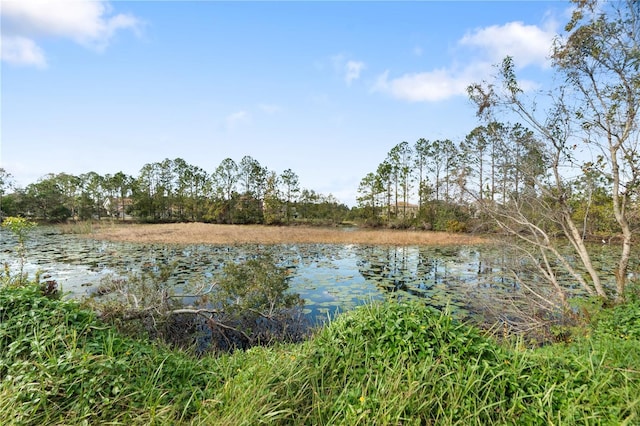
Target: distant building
x=117 y=207
x=404 y=210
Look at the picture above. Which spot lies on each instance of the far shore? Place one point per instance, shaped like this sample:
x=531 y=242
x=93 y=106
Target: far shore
x=202 y=233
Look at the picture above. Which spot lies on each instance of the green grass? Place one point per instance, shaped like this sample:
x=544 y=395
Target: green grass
x=379 y=364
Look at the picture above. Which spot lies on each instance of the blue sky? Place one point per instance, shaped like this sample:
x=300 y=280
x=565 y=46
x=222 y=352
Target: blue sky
x=323 y=88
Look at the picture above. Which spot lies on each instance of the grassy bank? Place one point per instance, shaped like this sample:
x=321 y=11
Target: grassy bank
x=379 y=364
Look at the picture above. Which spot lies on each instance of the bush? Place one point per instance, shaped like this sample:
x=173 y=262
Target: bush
x=248 y=304
x=456 y=226
x=254 y=306
x=622 y=321
x=20 y=227
x=405 y=329
x=397 y=363
x=445 y=216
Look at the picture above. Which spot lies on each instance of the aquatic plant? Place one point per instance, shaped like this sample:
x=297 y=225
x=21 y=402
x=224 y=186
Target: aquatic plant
x=20 y=227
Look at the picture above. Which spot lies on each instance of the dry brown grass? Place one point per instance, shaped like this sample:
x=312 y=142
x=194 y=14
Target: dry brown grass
x=201 y=233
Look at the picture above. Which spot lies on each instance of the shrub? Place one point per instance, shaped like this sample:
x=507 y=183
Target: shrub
x=455 y=226
x=408 y=329
x=20 y=227
x=248 y=304
x=398 y=363
x=621 y=321
x=254 y=306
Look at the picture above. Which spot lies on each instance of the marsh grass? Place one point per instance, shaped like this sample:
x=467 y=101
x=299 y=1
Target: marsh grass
x=394 y=364
x=201 y=233
x=85 y=227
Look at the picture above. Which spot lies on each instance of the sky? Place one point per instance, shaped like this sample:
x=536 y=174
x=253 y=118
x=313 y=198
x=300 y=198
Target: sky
x=324 y=88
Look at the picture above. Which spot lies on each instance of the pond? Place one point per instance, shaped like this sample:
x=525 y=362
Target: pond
x=331 y=278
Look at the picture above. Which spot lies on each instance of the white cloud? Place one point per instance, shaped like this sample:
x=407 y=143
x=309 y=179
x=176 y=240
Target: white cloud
x=22 y=51
x=426 y=86
x=529 y=45
x=269 y=108
x=353 y=70
x=89 y=23
x=430 y=86
x=237 y=119
x=350 y=70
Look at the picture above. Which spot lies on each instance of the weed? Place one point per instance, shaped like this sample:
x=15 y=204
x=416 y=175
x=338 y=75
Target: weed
x=396 y=363
x=20 y=227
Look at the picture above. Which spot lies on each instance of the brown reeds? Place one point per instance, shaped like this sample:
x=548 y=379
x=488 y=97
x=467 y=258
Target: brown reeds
x=201 y=233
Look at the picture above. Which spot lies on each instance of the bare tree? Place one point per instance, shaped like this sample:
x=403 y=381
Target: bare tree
x=594 y=111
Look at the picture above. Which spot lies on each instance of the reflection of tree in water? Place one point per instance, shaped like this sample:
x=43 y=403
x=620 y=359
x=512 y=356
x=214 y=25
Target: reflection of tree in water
x=377 y=264
x=496 y=267
x=325 y=273
x=440 y=275
x=407 y=271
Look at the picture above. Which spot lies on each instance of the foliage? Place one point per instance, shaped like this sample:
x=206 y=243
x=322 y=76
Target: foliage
x=60 y=365
x=256 y=284
x=592 y=209
x=444 y=216
x=621 y=321
x=379 y=364
x=173 y=191
x=594 y=109
x=253 y=301
x=248 y=304
x=406 y=364
x=20 y=227
x=6 y=182
x=47 y=199
x=407 y=330
x=455 y=226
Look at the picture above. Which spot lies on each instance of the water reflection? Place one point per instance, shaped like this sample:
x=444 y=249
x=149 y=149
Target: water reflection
x=443 y=276
x=329 y=277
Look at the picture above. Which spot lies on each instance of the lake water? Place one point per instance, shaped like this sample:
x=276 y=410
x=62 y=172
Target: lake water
x=329 y=277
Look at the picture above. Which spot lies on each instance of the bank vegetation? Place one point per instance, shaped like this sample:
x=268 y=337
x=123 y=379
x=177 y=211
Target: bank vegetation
x=395 y=364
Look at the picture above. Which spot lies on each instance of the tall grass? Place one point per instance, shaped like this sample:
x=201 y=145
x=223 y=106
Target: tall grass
x=379 y=364
x=196 y=233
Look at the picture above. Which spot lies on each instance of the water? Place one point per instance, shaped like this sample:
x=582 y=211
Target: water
x=329 y=277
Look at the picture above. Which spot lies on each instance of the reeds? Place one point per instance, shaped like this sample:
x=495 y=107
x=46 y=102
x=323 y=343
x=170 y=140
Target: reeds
x=201 y=233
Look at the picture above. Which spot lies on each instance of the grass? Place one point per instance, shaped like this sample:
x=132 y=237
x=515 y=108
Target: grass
x=399 y=363
x=201 y=233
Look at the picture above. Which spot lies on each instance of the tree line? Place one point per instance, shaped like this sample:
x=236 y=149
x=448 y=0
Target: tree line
x=242 y=192
x=430 y=184
x=447 y=185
